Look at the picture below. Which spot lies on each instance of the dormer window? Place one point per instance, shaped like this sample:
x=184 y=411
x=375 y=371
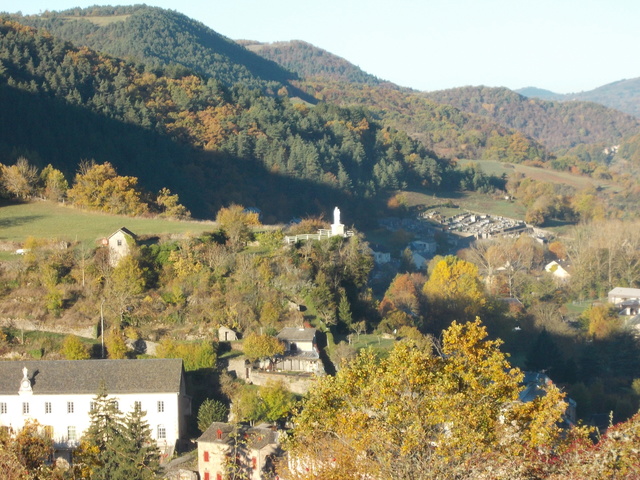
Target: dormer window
x=219 y=434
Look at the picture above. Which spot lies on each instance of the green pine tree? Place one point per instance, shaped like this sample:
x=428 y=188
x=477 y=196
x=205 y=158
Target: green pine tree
x=137 y=450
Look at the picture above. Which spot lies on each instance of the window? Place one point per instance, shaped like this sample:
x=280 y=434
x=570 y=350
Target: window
x=47 y=407
x=254 y=463
x=69 y=407
x=116 y=405
x=206 y=476
x=137 y=406
x=92 y=407
x=160 y=406
x=218 y=476
x=3 y=407
x=206 y=456
x=48 y=431
x=25 y=408
x=219 y=434
x=71 y=434
x=162 y=432
x=119 y=243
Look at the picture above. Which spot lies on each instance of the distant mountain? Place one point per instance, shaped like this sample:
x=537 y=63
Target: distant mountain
x=541 y=93
x=558 y=125
x=623 y=95
x=159 y=37
x=310 y=62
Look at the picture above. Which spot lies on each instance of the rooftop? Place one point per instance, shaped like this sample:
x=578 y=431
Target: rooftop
x=85 y=376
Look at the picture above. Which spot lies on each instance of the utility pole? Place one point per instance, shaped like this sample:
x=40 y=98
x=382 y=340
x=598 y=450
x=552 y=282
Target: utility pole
x=102 y=326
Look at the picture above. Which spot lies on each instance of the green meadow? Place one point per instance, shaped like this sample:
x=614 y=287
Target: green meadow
x=41 y=219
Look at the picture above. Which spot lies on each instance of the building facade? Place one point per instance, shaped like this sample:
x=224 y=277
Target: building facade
x=58 y=395
x=120 y=245
x=249 y=452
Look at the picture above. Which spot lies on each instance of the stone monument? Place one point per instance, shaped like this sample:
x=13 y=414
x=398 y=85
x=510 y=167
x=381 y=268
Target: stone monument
x=337 y=228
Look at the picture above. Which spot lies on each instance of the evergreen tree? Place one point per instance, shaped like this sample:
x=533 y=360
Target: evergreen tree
x=97 y=454
x=116 y=448
x=139 y=453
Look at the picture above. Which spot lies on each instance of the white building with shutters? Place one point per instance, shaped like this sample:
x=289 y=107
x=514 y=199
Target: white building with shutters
x=58 y=394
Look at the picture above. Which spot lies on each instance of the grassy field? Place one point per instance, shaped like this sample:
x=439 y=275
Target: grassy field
x=493 y=167
x=101 y=21
x=54 y=221
x=472 y=201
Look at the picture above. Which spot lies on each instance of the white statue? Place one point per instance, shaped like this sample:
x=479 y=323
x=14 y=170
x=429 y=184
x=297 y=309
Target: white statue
x=336 y=216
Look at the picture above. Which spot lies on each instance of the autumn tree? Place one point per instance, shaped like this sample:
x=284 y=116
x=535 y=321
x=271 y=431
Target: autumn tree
x=19 y=180
x=454 y=290
x=258 y=347
x=99 y=187
x=423 y=413
x=195 y=355
x=23 y=455
x=74 y=349
x=601 y=320
x=236 y=222
x=54 y=184
x=169 y=205
x=115 y=343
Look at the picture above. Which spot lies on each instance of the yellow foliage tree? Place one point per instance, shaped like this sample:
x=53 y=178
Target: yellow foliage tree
x=432 y=411
x=454 y=290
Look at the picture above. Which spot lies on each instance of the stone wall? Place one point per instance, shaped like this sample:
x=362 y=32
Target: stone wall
x=32 y=325
x=298 y=384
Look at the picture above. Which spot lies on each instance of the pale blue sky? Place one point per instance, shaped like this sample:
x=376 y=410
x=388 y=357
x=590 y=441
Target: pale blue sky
x=561 y=45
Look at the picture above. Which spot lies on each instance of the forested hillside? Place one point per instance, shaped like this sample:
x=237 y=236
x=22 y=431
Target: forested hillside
x=558 y=125
x=233 y=144
x=443 y=130
x=309 y=61
x=159 y=38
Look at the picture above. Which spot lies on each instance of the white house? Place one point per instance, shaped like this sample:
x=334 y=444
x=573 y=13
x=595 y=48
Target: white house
x=253 y=451
x=623 y=294
x=58 y=394
x=120 y=244
x=559 y=269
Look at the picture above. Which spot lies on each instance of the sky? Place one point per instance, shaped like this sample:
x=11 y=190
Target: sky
x=565 y=46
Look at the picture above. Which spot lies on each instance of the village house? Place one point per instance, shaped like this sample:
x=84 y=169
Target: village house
x=561 y=269
x=301 y=352
x=622 y=294
x=250 y=452
x=226 y=334
x=120 y=244
x=59 y=394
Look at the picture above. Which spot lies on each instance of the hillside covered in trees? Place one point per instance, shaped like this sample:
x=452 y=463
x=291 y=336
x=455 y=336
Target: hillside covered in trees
x=235 y=143
x=159 y=38
x=555 y=124
x=442 y=129
x=309 y=61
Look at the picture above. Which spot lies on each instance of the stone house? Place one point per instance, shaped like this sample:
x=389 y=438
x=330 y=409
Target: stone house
x=59 y=394
x=301 y=351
